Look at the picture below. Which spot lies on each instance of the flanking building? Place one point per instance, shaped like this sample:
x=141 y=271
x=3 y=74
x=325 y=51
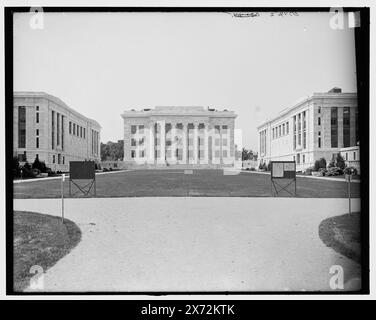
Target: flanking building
x=45 y=127
x=179 y=136
x=319 y=126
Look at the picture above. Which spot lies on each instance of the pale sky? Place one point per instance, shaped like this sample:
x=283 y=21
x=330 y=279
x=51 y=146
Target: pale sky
x=101 y=64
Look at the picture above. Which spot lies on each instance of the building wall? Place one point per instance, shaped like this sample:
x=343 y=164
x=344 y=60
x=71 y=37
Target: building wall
x=70 y=147
x=185 y=136
x=317 y=106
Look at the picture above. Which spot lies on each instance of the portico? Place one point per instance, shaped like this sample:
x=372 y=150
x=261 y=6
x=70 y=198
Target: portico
x=167 y=136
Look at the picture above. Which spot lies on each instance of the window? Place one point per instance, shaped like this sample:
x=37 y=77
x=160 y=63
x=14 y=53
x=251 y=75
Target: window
x=201 y=154
x=142 y=153
x=224 y=129
x=224 y=154
x=63 y=160
x=217 y=142
x=37 y=117
x=279 y=131
x=80 y=132
x=346 y=156
x=133 y=129
x=133 y=153
x=59 y=158
x=217 y=154
x=168 y=153
x=70 y=127
x=37 y=142
x=53 y=130
x=303 y=158
x=141 y=142
x=179 y=154
x=283 y=129
x=141 y=129
x=334 y=127
x=287 y=128
x=53 y=158
x=319 y=142
x=298 y=158
x=319 y=121
x=319 y=110
x=224 y=142
x=74 y=129
x=354 y=155
x=37 y=108
x=217 y=129
x=21 y=127
x=346 y=127
x=168 y=143
x=57 y=128
x=84 y=133
x=62 y=132
x=168 y=127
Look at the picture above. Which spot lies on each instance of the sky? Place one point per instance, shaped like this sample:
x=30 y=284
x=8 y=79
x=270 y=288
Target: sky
x=101 y=64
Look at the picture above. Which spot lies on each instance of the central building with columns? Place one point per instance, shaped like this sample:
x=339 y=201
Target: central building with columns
x=179 y=136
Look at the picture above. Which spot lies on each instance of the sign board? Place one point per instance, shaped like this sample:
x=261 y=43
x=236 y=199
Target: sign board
x=283 y=170
x=81 y=170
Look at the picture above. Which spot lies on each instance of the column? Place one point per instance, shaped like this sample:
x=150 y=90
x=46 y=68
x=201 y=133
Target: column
x=150 y=143
x=220 y=144
x=185 y=143
x=206 y=141
x=163 y=141
x=195 y=143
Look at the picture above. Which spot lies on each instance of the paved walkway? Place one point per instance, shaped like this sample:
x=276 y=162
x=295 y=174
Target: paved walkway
x=196 y=244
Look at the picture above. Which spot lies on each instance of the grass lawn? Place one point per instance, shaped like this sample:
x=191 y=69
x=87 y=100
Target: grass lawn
x=39 y=239
x=342 y=233
x=205 y=183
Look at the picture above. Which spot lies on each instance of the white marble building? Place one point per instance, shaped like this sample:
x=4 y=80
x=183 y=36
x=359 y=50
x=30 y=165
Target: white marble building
x=179 y=136
x=319 y=126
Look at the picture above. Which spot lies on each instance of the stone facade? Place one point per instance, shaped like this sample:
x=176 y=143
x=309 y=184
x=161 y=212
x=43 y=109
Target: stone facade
x=179 y=136
x=54 y=132
x=317 y=127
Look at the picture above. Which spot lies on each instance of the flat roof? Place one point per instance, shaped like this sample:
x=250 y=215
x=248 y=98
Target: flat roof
x=320 y=95
x=41 y=94
x=179 y=111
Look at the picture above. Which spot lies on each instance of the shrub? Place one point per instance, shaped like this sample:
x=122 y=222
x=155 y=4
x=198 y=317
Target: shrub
x=334 y=171
x=26 y=170
x=40 y=165
x=323 y=171
x=320 y=164
x=340 y=162
x=350 y=170
x=331 y=164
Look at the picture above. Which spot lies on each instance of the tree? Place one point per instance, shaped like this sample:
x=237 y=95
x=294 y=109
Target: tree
x=112 y=150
